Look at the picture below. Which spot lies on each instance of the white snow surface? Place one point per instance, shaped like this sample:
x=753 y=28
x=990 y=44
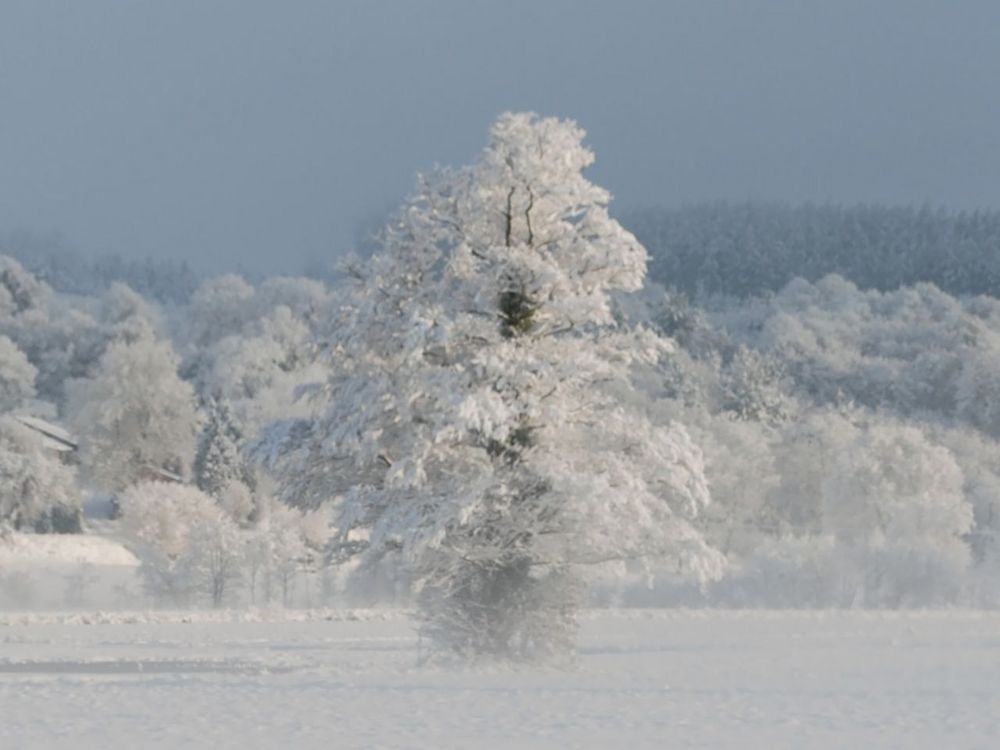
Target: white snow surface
x=644 y=679
x=36 y=550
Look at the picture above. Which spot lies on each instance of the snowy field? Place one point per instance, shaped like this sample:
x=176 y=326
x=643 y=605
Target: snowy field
x=644 y=679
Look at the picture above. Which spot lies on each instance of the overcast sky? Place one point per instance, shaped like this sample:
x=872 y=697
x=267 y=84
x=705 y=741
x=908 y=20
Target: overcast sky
x=262 y=134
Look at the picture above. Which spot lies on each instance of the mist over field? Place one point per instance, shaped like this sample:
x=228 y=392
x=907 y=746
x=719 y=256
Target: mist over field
x=629 y=371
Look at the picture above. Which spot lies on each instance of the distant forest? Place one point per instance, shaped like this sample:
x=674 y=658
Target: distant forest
x=742 y=249
x=750 y=248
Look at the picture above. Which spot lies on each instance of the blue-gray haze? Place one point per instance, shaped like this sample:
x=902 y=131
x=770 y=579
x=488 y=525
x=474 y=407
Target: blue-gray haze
x=264 y=134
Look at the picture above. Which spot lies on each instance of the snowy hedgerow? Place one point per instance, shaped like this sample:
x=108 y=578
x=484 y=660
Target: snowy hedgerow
x=476 y=426
x=36 y=489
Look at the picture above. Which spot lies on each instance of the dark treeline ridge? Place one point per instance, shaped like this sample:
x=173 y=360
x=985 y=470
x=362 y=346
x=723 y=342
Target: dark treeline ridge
x=750 y=248
x=164 y=280
x=741 y=249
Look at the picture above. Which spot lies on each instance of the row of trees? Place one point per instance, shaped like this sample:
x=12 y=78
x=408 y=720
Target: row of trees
x=193 y=547
x=154 y=393
x=48 y=259
x=848 y=439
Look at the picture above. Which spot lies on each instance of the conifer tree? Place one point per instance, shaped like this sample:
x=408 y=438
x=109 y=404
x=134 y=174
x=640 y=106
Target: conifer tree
x=218 y=461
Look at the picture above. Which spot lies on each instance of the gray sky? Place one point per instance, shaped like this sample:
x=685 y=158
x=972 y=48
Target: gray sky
x=263 y=133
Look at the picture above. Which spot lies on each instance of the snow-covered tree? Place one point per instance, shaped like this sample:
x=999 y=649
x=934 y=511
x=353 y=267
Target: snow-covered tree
x=254 y=347
x=134 y=416
x=752 y=389
x=475 y=423
x=213 y=563
x=125 y=315
x=61 y=341
x=186 y=544
x=36 y=489
x=218 y=308
x=978 y=386
x=896 y=503
x=20 y=291
x=258 y=370
x=17 y=376
x=284 y=543
x=237 y=500
x=739 y=464
x=218 y=462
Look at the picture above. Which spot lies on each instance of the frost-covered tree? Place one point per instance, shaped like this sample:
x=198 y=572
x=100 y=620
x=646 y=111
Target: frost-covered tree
x=285 y=542
x=61 y=341
x=218 y=308
x=125 y=315
x=739 y=464
x=17 y=376
x=254 y=347
x=237 y=500
x=259 y=369
x=896 y=503
x=134 y=416
x=36 y=489
x=218 y=462
x=751 y=387
x=977 y=391
x=213 y=563
x=20 y=291
x=186 y=544
x=900 y=351
x=62 y=337
x=476 y=425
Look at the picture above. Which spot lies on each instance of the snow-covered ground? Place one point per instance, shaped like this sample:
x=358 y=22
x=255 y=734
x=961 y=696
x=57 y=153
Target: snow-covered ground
x=644 y=679
x=45 y=571
x=64 y=549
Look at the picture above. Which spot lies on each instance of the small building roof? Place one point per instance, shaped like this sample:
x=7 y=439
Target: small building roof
x=54 y=437
x=160 y=474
